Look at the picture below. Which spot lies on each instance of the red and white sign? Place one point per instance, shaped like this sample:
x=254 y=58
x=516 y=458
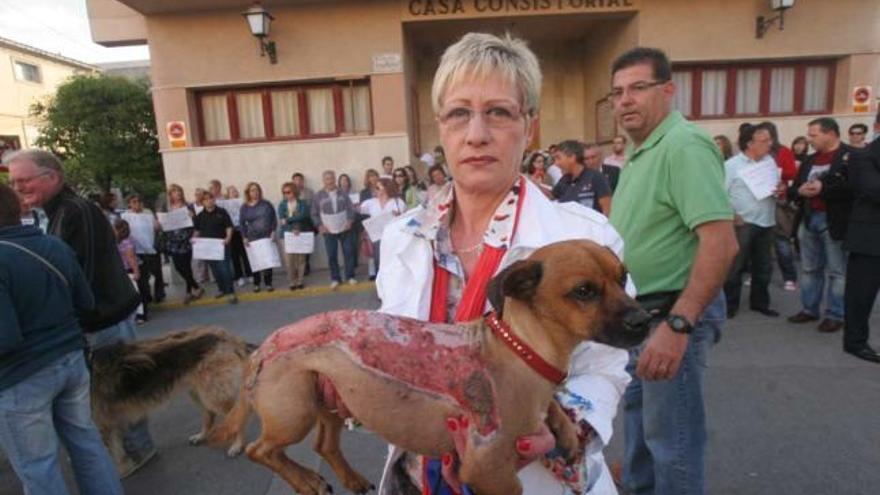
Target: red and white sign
x=176 y=131
x=861 y=99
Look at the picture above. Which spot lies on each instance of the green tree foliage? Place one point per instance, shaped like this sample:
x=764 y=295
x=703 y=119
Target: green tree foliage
x=104 y=130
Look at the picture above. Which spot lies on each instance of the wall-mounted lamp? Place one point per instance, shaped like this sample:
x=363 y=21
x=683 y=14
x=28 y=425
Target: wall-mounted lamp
x=259 y=20
x=762 y=25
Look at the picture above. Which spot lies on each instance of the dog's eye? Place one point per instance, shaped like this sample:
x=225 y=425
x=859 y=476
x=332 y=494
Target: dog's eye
x=585 y=292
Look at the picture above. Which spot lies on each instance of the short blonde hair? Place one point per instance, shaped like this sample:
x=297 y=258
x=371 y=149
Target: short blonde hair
x=482 y=54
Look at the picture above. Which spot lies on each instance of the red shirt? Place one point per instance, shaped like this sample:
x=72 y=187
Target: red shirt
x=785 y=161
x=819 y=167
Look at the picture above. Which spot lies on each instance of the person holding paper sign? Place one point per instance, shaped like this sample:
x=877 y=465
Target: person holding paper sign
x=258 y=221
x=179 y=246
x=334 y=215
x=386 y=202
x=754 y=220
x=294 y=217
x=214 y=223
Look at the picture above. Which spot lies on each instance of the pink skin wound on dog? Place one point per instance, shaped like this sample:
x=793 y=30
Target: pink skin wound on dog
x=437 y=358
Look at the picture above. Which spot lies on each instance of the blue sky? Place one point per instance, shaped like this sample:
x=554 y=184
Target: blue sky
x=59 y=26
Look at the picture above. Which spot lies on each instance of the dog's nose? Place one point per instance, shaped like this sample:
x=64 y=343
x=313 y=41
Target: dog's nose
x=636 y=320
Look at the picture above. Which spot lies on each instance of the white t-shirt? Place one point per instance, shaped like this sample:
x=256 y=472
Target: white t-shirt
x=555 y=173
x=394 y=206
x=143 y=230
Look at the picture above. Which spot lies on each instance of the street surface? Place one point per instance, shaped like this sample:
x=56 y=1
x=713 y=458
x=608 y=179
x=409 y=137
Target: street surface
x=789 y=412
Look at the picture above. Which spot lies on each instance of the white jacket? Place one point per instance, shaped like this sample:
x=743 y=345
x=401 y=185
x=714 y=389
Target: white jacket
x=597 y=372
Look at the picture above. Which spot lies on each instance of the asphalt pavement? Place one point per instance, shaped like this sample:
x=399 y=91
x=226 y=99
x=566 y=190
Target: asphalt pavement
x=789 y=412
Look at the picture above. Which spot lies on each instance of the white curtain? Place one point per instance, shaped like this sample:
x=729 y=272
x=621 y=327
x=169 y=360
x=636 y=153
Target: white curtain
x=748 y=91
x=215 y=118
x=816 y=89
x=683 y=92
x=782 y=90
x=250 y=115
x=714 y=92
x=356 y=102
x=285 y=113
x=322 y=120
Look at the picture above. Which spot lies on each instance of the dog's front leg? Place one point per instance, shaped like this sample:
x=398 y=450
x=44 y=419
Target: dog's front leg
x=564 y=430
x=491 y=469
x=208 y=418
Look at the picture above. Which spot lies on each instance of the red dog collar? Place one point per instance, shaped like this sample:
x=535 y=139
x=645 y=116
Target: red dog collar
x=503 y=331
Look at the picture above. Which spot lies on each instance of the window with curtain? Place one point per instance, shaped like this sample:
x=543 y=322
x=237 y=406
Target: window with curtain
x=215 y=118
x=714 y=92
x=683 y=98
x=322 y=119
x=356 y=105
x=285 y=113
x=748 y=91
x=782 y=90
x=755 y=88
x=816 y=81
x=250 y=115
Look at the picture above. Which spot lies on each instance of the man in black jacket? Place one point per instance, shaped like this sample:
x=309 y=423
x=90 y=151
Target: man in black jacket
x=38 y=178
x=824 y=192
x=863 y=244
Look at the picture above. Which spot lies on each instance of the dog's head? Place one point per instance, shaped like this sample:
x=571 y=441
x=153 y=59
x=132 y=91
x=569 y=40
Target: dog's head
x=578 y=286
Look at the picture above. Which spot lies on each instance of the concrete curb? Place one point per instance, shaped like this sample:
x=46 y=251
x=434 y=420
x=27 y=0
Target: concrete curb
x=249 y=296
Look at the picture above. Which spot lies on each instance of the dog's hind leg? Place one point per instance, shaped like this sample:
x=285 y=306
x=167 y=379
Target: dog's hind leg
x=288 y=410
x=327 y=444
x=208 y=418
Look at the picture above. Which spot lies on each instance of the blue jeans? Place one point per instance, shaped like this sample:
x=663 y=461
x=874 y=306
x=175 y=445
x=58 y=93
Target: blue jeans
x=820 y=254
x=222 y=270
x=664 y=421
x=785 y=257
x=51 y=404
x=331 y=244
x=136 y=440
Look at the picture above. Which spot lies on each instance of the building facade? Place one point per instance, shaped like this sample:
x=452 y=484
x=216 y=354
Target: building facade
x=352 y=78
x=28 y=75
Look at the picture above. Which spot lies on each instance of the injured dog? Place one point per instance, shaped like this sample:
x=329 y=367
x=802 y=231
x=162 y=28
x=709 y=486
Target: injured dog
x=403 y=378
x=131 y=379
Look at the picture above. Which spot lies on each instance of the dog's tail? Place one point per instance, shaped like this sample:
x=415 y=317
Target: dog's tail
x=236 y=419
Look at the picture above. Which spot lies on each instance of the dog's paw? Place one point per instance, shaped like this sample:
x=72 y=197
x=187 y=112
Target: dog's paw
x=355 y=483
x=197 y=439
x=234 y=451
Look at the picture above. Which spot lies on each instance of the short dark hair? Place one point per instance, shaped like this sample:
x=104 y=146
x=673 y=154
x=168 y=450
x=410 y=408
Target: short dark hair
x=655 y=57
x=387 y=158
x=10 y=207
x=435 y=168
x=297 y=174
x=746 y=133
x=572 y=147
x=827 y=124
x=861 y=126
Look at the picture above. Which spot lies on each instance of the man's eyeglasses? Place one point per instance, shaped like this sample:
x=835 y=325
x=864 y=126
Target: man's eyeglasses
x=497 y=116
x=635 y=89
x=27 y=180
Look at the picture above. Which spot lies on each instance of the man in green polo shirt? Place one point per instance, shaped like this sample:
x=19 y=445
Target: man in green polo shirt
x=673 y=213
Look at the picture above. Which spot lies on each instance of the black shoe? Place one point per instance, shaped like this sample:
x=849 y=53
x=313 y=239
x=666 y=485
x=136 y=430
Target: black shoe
x=731 y=313
x=830 y=326
x=766 y=312
x=864 y=352
x=802 y=317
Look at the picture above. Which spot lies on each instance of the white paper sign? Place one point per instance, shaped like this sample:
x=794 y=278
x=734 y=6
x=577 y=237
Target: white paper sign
x=375 y=226
x=761 y=179
x=175 y=219
x=355 y=198
x=233 y=207
x=263 y=255
x=335 y=223
x=302 y=243
x=208 y=249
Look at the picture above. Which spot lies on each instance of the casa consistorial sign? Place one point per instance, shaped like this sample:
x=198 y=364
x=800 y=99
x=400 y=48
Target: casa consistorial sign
x=432 y=9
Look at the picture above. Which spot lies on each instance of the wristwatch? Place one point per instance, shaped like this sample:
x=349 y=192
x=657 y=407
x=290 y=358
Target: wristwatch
x=679 y=324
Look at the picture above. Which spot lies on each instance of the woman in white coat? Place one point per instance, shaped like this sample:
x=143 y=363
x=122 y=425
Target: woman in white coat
x=485 y=96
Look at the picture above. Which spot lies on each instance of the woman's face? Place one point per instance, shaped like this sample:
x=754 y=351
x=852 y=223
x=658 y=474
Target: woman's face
x=232 y=192
x=400 y=178
x=800 y=147
x=373 y=180
x=381 y=193
x=175 y=195
x=484 y=152
x=344 y=183
x=254 y=193
x=438 y=178
x=719 y=144
x=538 y=163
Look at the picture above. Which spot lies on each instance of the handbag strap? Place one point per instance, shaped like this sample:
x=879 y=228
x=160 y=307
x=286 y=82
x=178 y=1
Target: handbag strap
x=39 y=258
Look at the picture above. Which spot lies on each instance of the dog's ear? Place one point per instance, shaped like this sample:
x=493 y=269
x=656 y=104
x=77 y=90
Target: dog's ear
x=519 y=281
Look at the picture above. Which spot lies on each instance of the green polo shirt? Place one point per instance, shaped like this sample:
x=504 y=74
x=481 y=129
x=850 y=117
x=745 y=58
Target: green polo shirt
x=671 y=184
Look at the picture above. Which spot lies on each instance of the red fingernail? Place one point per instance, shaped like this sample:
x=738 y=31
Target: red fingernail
x=447 y=459
x=451 y=425
x=464 y=421
x=523 y=445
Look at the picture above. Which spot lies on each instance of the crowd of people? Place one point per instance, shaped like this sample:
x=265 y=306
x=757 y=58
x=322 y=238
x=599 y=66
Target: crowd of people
x=689 y=216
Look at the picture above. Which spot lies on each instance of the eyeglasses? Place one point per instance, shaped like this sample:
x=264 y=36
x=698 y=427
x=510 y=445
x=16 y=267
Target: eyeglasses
x=856 y=133
x=634 y=89
x=27 y=180
x=497 y=116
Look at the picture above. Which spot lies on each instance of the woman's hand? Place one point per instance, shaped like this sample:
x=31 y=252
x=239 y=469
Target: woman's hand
x=529 y=448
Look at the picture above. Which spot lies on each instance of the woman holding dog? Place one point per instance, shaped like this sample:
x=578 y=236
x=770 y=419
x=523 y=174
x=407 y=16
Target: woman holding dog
x=485 y=95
